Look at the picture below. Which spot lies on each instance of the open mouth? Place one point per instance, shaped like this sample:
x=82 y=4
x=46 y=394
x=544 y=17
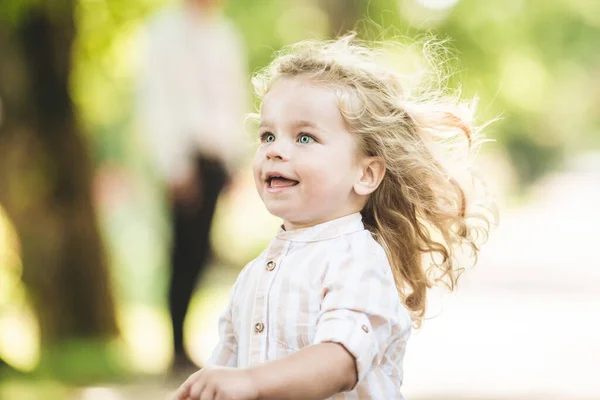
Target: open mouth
x=275 y=182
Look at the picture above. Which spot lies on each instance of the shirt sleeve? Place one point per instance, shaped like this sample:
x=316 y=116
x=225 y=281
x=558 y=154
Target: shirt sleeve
x=359 y=309
x=156 y=101
x=240 y=146
x=229 y=101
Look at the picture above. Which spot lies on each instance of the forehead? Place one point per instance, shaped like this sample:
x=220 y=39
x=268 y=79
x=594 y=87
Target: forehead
x=292 y=99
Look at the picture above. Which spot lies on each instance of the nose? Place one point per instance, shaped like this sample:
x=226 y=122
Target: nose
x=278 y=150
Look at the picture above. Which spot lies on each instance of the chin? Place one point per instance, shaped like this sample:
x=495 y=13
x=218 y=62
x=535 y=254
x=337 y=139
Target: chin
x=280 y=212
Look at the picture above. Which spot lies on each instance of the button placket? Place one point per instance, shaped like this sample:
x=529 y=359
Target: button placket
x=260 y=316
x=259 y=327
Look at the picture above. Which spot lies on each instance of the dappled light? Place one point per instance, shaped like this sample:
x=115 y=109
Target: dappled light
x=523 y=324
x=19 y=338
x=146 y=336
x=19 y=332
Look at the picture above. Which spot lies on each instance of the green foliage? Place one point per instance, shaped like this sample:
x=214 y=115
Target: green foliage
x=82 y=362
x=13 y=11
x=532 y=63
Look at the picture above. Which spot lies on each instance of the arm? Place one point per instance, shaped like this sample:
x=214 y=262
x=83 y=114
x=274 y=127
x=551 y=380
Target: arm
x=315 y=372
x=237 y=105
x=229 y=99
x=156 y=104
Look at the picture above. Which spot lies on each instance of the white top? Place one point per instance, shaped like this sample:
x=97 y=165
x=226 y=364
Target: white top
x=328 y=283
x=193 y=90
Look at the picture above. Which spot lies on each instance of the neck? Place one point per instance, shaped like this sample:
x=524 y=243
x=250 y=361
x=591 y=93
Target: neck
x=300 y=224
x=356 y=203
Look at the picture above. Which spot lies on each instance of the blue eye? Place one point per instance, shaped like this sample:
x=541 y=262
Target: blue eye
x=267 y=137
x=305 y=139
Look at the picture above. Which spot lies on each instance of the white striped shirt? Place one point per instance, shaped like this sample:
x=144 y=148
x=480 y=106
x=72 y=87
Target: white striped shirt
x=328 y=283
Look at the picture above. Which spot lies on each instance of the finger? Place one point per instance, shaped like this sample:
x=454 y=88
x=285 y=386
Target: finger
x=192 y=378
x=197 y=390
x=184 y=390
x=182 y=393
x=221 y=396
x=199 y=383
x=208 y=393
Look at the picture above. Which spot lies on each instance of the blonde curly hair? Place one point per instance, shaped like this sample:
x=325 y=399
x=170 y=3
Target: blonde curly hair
x=427 y=206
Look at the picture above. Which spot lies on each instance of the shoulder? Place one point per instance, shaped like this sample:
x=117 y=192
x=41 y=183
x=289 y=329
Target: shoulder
x=359 y=251
x=164 y=22
x=227 y=28
x=362 y=245
x=228 y=36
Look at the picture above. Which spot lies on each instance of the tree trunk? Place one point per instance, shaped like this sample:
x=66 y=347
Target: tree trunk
x=45 y=178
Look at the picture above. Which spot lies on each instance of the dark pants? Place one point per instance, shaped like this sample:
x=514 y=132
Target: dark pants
x=191 y=247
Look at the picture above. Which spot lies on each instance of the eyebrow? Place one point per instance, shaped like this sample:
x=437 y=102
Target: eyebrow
x=295 y=124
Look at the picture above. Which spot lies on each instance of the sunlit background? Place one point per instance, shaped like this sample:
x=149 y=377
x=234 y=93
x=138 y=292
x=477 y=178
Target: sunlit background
x=524 y=323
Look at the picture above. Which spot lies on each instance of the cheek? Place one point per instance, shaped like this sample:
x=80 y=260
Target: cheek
x=317 y=194
x=330 y=177
x=319 y=179
x=256 y=168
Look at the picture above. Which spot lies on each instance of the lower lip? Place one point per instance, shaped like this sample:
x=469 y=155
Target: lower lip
x=278 y=189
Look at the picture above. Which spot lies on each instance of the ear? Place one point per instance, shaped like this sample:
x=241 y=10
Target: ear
x=371 y=173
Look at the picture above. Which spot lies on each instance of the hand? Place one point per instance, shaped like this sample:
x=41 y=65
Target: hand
x=187 y=191
x=218 y=383
x=230 y=182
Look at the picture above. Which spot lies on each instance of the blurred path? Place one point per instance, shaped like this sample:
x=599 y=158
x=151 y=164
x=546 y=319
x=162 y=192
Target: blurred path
x=525 y=322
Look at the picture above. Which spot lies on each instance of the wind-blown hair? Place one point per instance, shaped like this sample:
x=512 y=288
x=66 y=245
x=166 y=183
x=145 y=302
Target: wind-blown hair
x=429 y=208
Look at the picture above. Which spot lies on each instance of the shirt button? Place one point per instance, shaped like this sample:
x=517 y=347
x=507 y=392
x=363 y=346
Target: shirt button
x=365 y=328
x=258 y=327
x=270 y=266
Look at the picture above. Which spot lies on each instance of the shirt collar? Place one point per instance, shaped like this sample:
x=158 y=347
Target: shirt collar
x=327 y=230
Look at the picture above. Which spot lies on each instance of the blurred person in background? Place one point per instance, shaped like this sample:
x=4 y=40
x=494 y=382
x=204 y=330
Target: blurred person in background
x=191 y=104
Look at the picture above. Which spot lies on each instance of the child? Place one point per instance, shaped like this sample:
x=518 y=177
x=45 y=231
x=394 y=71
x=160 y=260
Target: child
x=349 y=161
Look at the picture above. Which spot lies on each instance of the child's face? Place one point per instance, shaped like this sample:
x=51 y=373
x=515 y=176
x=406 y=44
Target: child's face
x=306 y=164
